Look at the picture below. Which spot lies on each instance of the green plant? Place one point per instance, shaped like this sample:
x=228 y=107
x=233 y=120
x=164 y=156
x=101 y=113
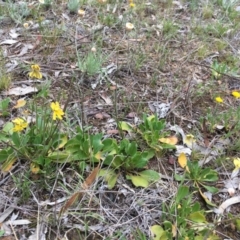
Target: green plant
x=218 y=69
x=151 y=130
x=169 y=29
x=91 y=64
x=5 y=77
x=23 y=184
x=4 y=104
x=184 y=219
x=73 y=5
x=17 y=11
x=200 y=178
x=35 y=141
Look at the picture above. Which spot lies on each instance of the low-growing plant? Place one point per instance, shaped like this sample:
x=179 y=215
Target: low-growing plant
x=32 y=138
x=183 y=219
x=17 y=11
x=200 y=178
x=73 y=5
x=91 y=64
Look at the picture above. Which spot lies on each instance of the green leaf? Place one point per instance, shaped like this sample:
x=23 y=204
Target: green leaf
x=138 y=181
x=150 y=175
x=208 y=175
x=197 y=217
x=125 y=126
x=178 y=177
x=96 y=142
x=158 y=233
x=238 y=224
x=112 y=181
x=131 y=149
x=210 y=189
x=8 y=128
x=59 y=157
x=109 y=176
x=16 y=139
x=5 y=153
x=183 y=191
x=4 y=107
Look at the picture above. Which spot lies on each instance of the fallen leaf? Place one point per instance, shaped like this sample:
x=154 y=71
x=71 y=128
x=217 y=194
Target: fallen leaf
x=19 y=91
x=20 y=103
x=226 y=204
x=132 y=115
x=8 y=42
x=113 y=87
x=106 y=99
x=113 y=131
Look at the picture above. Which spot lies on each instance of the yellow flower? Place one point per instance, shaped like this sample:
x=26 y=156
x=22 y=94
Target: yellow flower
x=35 y=73
x=219 y=99
x=236 y=162
x=81 y=13
x=189 y=140
x=132 y=5
x=236 y=94
x=57 y=111
x=129 y=26
x=19 y=124
x=26 y=25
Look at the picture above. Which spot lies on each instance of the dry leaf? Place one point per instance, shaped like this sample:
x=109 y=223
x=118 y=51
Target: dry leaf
x=182 y=160
x=106 y=99
x=19 y=91
x=8 y=42
x=20 y=103
x=99 y=116
x=113 y=131
x=91 y=178
x=169 y=140
x=71 y=201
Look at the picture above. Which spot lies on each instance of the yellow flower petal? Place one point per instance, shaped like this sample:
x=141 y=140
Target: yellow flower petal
x=236 y=162
x=35 y=67
x=236 y=94
x=20 y=124
x=57 y=111
x=219 y=99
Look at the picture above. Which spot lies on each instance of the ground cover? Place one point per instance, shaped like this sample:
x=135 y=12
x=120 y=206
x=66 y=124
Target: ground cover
x=119 y=119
